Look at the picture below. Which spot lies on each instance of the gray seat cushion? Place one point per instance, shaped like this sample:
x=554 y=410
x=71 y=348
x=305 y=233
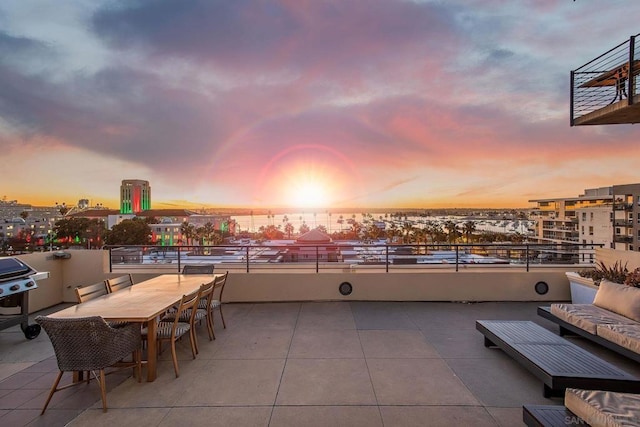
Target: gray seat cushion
x=588 y=316
x=627 y=336
x=604 y=408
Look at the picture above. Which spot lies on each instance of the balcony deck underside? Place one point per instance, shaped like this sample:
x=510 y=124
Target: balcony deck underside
x=617 y=113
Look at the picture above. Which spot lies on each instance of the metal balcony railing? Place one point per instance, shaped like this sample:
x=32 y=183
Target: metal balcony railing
x=332 y=256
x=608 y=83
x=623 y=206
x=622 y=239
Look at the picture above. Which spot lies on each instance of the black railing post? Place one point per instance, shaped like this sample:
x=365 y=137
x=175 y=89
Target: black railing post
x=386 y=261
x=457 y=256
x=317 y=259
x=527 y=249
x=571 y=98
x=110 y=261
x=179 y=260
x=632 y=74
x=247 y=259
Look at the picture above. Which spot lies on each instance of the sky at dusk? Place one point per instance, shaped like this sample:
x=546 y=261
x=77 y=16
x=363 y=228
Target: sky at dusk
x=306 y=103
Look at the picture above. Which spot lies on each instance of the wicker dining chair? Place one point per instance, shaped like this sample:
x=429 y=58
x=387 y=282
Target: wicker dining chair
x=119 y=283
x=198 y=269
x=89 y=344
x=173 y=330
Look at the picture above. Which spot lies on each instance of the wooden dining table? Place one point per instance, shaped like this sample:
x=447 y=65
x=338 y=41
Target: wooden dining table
x=141 y=303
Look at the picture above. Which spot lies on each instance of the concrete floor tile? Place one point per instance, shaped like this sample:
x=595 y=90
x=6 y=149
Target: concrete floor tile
x=321 y=416
x=163 y=392
x=326 y=382
x=417 y=382
x=248 y=343
x=9 y=369
x=436 y=416
x=139 y=417
x=396 y=344
x=456 y=344
x=325 y=307
x=330 y=344
x=19 y=380
x=507 y=417
x=381 y=315
x=271 y=316
x=500 y=381
x=233 y=383
x=217 y=417
x=21 y=417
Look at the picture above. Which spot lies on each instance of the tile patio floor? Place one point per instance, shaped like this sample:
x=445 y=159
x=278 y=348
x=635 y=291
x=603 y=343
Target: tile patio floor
x=312 y=364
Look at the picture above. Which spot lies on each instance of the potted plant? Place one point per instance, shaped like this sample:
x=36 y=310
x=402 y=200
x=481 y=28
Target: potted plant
x=584 y=283
x=633 y=278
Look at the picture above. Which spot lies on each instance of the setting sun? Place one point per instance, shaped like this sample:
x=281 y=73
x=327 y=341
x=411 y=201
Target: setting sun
x=309 y=194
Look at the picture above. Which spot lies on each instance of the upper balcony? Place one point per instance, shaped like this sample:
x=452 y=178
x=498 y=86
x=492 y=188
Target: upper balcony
x=605 y=90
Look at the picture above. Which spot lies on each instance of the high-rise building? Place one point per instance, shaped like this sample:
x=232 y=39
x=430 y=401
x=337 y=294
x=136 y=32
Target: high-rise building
x=135 y=196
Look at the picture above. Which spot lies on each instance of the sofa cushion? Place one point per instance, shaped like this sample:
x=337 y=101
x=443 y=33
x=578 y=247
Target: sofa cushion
x=588 y=316
x=621 y=299
x=627 y=336
x=604 y=408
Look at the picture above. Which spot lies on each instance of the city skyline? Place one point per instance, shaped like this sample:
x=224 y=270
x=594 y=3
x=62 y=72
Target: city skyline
x=302 y=105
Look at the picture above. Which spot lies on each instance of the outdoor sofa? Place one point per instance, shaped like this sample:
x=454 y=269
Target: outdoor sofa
x=613 y=320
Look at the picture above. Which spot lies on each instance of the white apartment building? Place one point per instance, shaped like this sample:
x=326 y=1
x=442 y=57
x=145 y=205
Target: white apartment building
x=595 y=228
x=608 y=216
x=626 y=217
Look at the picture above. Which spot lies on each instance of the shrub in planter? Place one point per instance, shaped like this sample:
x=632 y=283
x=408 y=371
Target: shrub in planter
x=633 y=278
x=617 y=273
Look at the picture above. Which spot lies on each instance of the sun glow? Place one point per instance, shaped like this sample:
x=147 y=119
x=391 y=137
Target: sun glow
x=309 y=194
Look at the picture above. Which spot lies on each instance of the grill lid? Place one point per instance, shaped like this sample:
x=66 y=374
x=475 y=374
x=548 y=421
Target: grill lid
x=13 y=268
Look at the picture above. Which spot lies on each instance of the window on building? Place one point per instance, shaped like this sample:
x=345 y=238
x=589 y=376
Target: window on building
x=582 y=230
x=591 y=216
x=617 y=230
x=584 y=216
x=590 y=230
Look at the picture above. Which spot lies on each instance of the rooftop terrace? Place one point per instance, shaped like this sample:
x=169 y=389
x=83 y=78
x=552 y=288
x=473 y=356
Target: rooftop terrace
x=303 y=363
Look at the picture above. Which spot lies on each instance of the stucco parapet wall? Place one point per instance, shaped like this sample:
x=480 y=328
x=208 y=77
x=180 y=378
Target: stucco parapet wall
x=302 y=283
x=428 y=285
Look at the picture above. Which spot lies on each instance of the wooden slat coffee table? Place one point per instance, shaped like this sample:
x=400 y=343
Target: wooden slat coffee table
x=556 y=361
x=141 y=303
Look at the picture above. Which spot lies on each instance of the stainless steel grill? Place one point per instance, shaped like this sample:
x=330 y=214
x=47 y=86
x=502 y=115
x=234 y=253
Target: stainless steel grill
x=16 y=280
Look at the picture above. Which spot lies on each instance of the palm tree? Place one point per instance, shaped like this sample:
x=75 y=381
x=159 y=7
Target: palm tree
x=407 y=231
x=188 y=231
x=288 y=228
x=208 y=231
x=304 y=228
x=452 y=231
x=468 y=228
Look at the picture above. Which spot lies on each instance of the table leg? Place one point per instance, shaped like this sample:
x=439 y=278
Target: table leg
x=152 y=350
